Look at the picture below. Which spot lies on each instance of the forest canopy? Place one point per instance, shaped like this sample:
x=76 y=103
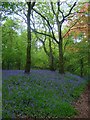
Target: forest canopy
x=46 y=35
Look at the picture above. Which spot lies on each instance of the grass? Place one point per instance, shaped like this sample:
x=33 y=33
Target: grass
x=24 y=96
x=0 y=96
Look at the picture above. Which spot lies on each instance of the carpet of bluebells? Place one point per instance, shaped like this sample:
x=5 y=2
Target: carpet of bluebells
x=40 y=93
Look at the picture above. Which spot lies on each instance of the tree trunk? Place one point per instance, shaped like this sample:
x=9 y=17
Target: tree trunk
x=81 y=66
x=51 y=56
x=60 y=45
x=28 y=58
x=61 y=63
x=3 y=65
x=8 y=65
x=19 y=65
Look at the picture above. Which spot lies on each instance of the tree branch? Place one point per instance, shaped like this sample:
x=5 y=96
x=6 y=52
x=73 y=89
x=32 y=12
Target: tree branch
x=71 y=9
x=34 y=30
x=60 y=11
x=47 y=23
x=44 y=47
x=68 y=32
x=43 y=34
x=53 y=8
x=71 y=27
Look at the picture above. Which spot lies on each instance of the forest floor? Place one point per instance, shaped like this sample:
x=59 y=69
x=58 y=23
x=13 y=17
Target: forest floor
x=81 y=104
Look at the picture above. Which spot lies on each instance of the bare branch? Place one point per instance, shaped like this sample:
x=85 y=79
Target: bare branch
x=53 y=8
x=44 y=47
x=43 y=34
x=71 y=10
x=32 y=5
x=22 y=17
x=53 y=36
x=60 y=11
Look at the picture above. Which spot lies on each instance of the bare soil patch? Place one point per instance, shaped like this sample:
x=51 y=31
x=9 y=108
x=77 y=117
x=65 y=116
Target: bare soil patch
x=83 y=104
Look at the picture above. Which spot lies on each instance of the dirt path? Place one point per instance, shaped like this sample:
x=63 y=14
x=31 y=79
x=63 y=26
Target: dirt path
x=83 y=104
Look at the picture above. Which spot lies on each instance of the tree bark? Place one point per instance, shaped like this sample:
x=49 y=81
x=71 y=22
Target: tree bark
x=81 y=66
x=60 y=46
x=49 y=53
x=51 y=56
x=28 y=58
x=8 y=65
x=19 y=64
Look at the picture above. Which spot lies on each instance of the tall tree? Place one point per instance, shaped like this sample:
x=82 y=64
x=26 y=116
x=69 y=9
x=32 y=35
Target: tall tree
x=28 y=59
x=49 y=52
x=59 y=18
x=9 y=37
x=9 y=8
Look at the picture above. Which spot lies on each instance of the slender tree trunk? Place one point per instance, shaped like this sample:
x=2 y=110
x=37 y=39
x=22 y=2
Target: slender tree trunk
x=3 y=64
x=61 y=63
x=51 y=57
x=88 y=71
x=49 y=54
x=81 y=64
x=60 y=45
x=8 y=65
x=28 y=58
x=19 y=65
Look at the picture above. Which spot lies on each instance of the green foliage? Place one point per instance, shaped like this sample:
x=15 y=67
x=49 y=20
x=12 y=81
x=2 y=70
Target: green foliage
x=14 y=51
x=77 y=92
x=8 y=41
x=13 y=46
x=74 y=53
x=37 y=60
x=14 y=43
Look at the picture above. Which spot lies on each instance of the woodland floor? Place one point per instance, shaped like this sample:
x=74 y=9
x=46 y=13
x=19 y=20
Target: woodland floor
x=82 y=104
